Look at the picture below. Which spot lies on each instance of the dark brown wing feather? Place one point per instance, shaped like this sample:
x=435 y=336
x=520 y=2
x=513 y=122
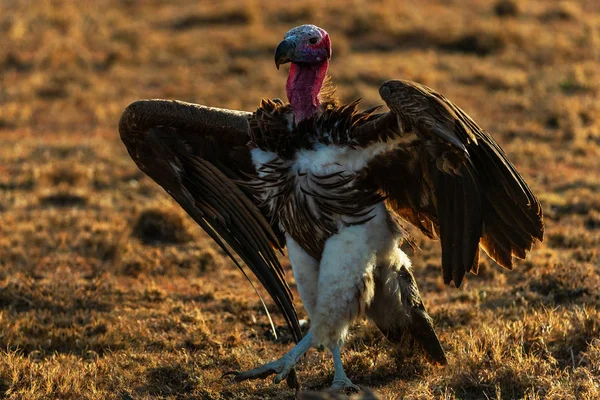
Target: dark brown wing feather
x=452 y=180
x=197 y=154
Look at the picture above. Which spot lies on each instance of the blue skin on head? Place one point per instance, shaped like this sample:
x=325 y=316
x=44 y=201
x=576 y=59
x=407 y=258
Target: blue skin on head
x=304 y=44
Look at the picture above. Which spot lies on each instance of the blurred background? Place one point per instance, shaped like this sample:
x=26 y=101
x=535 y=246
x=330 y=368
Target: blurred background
x=108 y=289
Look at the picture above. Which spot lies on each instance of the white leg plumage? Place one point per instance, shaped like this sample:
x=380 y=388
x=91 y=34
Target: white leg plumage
x=346 y=284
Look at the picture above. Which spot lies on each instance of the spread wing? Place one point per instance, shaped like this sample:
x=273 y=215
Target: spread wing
x=197 y=154
x=450 y=178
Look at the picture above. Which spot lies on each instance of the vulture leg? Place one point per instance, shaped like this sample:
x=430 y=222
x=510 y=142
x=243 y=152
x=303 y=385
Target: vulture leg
x=306 y=274
x=346 y=284
x=397 y=308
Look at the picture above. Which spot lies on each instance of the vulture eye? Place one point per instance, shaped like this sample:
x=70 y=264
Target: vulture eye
x=313 y=40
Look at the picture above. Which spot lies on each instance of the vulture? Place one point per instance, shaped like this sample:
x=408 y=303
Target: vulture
x=336 y=186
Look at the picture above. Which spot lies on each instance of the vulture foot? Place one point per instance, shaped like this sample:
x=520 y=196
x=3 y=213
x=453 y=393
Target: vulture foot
x=282 y=368
x=344 y=385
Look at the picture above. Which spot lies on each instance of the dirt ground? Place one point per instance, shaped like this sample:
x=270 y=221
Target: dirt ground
x=107 y=288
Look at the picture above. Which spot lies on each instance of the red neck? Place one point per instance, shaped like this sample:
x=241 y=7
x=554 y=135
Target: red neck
x=303 y=86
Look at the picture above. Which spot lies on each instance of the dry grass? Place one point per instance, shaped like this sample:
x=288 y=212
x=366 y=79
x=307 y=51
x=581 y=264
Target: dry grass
x=107 y=290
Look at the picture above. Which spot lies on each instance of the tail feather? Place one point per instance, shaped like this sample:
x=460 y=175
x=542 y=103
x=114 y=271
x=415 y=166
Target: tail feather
x=423 y=332
x=397 y=310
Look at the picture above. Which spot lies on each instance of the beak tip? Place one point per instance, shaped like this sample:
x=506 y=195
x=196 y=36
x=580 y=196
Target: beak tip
x=284 y=52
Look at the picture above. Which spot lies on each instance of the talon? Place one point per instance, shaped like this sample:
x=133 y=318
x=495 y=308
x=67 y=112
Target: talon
x=228 y=373
x=292 y=380
x=257 y=373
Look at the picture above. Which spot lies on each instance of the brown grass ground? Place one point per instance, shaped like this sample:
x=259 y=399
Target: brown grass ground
x=107 y=290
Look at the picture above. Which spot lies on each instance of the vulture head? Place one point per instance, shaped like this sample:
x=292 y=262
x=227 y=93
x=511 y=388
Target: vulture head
x=308 y=49
x=304 y=44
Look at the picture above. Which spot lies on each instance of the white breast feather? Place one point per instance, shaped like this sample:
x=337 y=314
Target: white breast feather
x=327 y=159
x=261 y=157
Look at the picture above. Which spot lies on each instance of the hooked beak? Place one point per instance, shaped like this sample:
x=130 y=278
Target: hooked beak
x=284 y=52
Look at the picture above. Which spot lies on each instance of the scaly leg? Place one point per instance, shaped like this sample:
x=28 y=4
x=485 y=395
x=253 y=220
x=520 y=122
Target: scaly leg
x=340 y=379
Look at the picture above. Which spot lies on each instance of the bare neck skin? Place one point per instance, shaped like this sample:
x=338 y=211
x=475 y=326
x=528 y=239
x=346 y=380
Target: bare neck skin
x=303 y=86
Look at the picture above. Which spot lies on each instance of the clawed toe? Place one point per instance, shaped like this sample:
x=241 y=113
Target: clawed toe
x=230 y=373
x=282 y=369
x=256 y=373
x=344 y=385
x=292 y=380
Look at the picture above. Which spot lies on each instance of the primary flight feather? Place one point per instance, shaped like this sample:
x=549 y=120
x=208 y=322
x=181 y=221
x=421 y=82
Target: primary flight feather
x=333 y=184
